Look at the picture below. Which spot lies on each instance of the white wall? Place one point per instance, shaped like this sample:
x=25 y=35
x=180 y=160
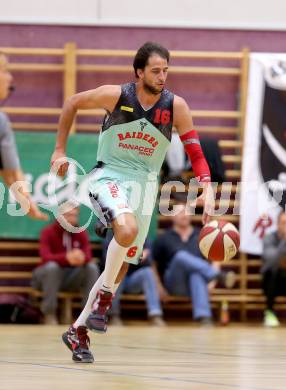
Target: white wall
x=239 y=14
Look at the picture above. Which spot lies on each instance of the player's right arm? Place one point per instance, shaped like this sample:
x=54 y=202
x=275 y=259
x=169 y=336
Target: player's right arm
x=184 y=125
x=104 y=97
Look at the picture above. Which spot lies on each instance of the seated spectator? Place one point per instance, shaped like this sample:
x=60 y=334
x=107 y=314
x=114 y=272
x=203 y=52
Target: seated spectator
x=182 y=268
x=274 y=269
x=139 y=279
x=212 y=152
x=66 y=264
x=175 y=162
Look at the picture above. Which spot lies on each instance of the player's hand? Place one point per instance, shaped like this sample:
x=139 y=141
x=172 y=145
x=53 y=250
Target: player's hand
x=59 y=163
x=209 y=204
x=207 y=200
x=35 y=213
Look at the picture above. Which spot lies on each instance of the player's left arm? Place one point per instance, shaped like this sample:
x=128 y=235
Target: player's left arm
x=183 y=122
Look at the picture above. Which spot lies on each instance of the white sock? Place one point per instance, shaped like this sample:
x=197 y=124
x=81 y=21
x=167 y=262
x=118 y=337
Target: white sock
x=114 y=260
x=115 y=287
x=88 y=306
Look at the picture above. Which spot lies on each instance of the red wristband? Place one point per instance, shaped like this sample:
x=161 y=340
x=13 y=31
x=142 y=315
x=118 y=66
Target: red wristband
x=194 y=151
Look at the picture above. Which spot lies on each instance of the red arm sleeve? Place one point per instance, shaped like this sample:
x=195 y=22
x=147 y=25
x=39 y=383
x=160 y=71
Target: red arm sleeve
x=194 y=151
x=46 y=253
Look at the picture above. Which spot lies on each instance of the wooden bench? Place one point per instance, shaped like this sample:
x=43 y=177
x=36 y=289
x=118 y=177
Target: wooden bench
x=245 y=298
x=20 y=272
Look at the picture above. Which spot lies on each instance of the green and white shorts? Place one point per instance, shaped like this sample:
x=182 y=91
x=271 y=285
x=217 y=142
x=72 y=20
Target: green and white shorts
x=114 y=191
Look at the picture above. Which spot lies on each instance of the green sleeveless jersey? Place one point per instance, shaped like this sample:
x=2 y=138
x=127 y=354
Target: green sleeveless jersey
x=134 y=138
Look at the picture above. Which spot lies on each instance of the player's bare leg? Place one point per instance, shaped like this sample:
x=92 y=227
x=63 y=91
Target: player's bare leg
x=125 y=232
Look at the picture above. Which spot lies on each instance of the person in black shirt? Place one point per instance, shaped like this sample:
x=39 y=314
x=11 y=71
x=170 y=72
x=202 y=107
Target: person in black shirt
x=182 y=268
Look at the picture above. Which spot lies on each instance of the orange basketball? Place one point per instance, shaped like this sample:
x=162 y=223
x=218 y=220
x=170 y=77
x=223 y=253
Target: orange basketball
x=219 y=240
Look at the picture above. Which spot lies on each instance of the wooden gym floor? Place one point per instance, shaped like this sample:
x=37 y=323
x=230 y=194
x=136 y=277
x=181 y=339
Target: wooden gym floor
x=143 y=357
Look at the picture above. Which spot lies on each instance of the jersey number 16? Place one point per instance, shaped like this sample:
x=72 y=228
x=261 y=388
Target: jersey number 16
x=162 y=117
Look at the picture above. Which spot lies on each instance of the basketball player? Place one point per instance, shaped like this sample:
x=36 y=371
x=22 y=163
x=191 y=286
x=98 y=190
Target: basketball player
x=10 y=168
x=135 y=135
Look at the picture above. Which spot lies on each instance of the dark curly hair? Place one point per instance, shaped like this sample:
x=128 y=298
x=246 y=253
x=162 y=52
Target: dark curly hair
x=145 y=51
